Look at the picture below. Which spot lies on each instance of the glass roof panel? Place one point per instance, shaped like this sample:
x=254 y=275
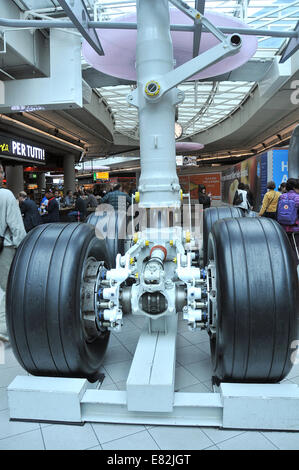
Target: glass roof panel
x=206 y=103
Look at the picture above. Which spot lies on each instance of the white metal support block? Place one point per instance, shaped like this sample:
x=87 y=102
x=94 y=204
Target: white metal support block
x=150 y=384
x=234 y=406
x=46 y=399
x=260 y=406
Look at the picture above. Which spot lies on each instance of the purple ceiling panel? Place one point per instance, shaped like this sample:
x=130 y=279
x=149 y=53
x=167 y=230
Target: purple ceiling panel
x=120 y=47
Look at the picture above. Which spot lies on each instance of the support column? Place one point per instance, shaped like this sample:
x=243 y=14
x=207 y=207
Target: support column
x=158 y=184
x=69 y=173
x=137 y=177
x=41 y=181
x=15 y=178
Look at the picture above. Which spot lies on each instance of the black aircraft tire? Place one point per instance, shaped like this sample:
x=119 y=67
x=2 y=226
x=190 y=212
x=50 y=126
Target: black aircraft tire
x=212 y=215
x=110 y=231
x=44 y=316
x=257 y=300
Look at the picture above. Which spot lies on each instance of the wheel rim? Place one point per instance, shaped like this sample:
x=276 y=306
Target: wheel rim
x=212 y=305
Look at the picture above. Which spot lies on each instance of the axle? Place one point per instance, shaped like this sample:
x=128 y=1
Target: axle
x=152 y=279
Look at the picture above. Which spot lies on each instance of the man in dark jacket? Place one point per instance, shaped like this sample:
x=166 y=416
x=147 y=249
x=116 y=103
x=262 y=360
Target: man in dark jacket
x=116 y=198
x=80 y=211
x=203 y=197
x=52 y=214
x=91 y=200
x=29 y=211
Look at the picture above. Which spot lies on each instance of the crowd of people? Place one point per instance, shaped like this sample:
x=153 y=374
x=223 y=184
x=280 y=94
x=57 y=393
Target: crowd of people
x=78 y=202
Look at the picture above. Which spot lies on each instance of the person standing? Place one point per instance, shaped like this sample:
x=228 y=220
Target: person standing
x=250 y=197
x=69 y=199
x=12 y=232
x=29 y=211
x=270 y=201
x=241 y=197
x=57 y=197
x=288 y=214
x=282 y=188
x=203 y=197
x=91 y=200
x=79 y=213
x=116 y=198
x=52 y=214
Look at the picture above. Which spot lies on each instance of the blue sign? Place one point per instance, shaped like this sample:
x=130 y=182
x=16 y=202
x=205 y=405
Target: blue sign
x=264 y=174
x=280 y=166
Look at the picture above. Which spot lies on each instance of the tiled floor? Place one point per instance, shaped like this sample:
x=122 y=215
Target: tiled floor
x=193 y=374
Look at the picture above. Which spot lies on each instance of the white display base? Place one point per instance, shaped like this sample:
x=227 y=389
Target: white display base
x=150 y=397
x=235 y=406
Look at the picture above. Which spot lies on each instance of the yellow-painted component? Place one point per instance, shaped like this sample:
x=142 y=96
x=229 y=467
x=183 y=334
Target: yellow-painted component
x=174 y=260
x=136 y=275
x=137 y=196
x=171 y=242
x=188 y=237
x=132 y=260
x=181 y=194
x=146 y=242
x=135 y=237
x=152 y=88
x=198 y=16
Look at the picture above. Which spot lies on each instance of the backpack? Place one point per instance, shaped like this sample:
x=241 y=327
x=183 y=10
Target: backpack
x=238 y=198
x=286 y=211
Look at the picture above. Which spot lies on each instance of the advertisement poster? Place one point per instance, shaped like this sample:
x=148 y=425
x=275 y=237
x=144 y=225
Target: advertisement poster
x=280 y=166
x=250 y=172
x=212 y=182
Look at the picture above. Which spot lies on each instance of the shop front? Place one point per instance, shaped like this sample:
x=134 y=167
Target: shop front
x=17 y=153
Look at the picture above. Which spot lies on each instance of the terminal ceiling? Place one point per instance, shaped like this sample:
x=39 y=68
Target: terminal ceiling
x=211 y=108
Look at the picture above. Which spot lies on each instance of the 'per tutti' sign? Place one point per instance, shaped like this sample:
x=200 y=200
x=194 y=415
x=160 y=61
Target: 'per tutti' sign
x=22 y=150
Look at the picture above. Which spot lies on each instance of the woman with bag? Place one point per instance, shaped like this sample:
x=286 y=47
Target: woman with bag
x=241 y=198
x=270 y=201
x=288 y=214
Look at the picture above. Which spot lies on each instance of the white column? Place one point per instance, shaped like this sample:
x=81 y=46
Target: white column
x=158 y=184
x=69 y=173
x=15 y=178
x=41 y=181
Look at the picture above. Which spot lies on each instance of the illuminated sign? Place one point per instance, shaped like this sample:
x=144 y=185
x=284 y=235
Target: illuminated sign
x=27 y=151
x=4 y=148
x=101 y=176
x=22 y=150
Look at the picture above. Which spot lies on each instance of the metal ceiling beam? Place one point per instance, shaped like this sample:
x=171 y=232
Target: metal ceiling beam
x=77 y=11
x=44 y=24
x=199 y=6
x=291 y=47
